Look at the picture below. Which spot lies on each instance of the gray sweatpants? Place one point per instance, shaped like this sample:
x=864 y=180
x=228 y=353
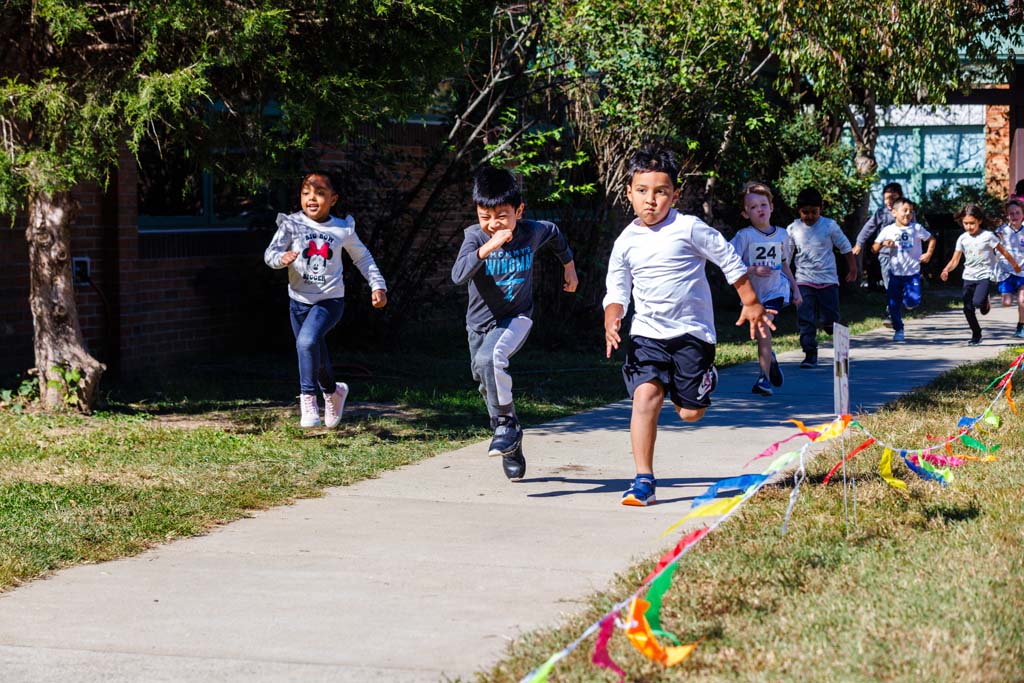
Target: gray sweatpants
x=489 y=355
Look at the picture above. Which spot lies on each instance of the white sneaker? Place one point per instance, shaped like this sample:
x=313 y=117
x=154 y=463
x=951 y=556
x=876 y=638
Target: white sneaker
x=334 y=405
x=310 y=414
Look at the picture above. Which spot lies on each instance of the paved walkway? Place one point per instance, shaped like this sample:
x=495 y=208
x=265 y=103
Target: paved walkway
x=406 y=578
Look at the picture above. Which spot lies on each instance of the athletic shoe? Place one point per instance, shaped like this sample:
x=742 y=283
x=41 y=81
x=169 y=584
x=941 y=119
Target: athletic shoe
x=508 y=436
x=514 y=465
x=898 y=335
x=762 y=386
x=975 y=340
x=310 y=414
x=1019 y=332
x=985 y=307
x=810 y=360
x=334 y=405
x=775 y=372
x=641 y=493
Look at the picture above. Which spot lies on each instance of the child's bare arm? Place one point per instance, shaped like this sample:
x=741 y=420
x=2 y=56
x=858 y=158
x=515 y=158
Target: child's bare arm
x=851 y=267
x=612 y=322
x=951 y=266
x=752 y=312
x=787 y=272
x=571 y=280
x=927 y=255
x=1009 y=258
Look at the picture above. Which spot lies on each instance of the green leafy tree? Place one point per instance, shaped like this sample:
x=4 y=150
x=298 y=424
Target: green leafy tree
x=79 y=80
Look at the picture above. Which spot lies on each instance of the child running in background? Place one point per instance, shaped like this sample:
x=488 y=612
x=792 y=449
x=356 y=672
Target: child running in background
x=766 y=250
x=1011 y=236
x=978 y=248
x=902 y=240
x=814 y=237
x=659 y=258
x=309 y=244
x=496 y=260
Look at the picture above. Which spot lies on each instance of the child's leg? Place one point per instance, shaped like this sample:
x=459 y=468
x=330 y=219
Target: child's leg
x=884 y=259
x=828 y=304
x=310 y=324
x=894 y=292
x=1020 y=305
x=648 y=398
x=971 y=302
x=806 y=314
x=491 y=354
x=764 y=350
x=912 y=292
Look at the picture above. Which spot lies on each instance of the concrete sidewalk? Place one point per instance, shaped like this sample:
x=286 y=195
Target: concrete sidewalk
x=430 y=570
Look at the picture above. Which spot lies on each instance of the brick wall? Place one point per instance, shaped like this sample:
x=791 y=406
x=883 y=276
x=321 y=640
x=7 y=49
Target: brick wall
x=997 y=149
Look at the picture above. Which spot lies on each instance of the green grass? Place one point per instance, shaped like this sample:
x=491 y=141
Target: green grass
x=177 y=453
x=927 y=586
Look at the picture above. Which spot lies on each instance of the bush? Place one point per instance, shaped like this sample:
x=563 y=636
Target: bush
x=832 y=173
x=948 y=199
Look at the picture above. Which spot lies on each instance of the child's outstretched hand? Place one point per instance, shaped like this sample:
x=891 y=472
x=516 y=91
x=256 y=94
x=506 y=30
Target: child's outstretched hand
x=571 y=280
x=288 y=257
x=612 y=322
x=758 y=317
x=379 y=298
x=944 y=275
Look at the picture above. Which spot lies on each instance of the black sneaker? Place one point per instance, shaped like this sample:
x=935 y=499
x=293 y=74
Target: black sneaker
x=975 y=340
x=775 y=372
x=508 y=436
x=514 y=465
x=762 y=387
x=810 y=360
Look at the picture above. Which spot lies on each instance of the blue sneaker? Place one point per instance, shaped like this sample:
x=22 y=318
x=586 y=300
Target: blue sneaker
x=508 y=436
x=641 y=493
x=775 y=372
x=762 y=386
x=1019 y=332
x=898 y=336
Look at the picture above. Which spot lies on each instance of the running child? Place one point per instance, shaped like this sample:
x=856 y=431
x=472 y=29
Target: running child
x=496 y=261
x=659 y=258
x=902 y=240
x=1011 y=236
x=766 y=250
x=308 y=243
x=814 y=238
x=978 y=248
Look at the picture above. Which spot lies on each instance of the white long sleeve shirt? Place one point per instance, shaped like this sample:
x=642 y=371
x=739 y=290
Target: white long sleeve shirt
x=663 y=267
x=317 y=273
x=815 y=262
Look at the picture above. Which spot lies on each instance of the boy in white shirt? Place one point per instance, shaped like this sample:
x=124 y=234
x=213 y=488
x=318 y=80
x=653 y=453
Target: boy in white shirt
x=814 y=237
x=1011 y=236
x=766 y=250
x=902 y=240
x=660 y=259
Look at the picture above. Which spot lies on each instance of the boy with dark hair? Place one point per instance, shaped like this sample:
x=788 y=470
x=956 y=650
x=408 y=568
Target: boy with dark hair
x=902 y=239
x=496 y=260
x=659 y=258
x=814 y=238
x=882 y=217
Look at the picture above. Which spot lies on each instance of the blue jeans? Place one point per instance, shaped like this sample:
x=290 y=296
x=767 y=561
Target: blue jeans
x=903 y=290
x=820 y=308
x=310 y=325
x=975 y=293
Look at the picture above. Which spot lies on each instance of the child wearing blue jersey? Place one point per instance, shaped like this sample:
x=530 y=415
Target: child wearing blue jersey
x=766 y=250
x=902 y=240
x=1011 y=284
x=496 y=261
x=658 y=261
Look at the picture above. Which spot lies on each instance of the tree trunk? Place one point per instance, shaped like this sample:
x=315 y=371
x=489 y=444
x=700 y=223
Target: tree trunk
x=865 y=161
x=68 y=375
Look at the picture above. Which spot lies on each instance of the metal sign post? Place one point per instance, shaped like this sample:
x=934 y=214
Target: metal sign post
x=841 y=404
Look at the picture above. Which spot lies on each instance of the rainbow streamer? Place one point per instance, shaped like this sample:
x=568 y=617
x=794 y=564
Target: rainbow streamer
x=745 y=482
x=687 y=540
x=848 y=458
x=601 y=657
x=885 y=469
x=922 y=470
x=713 y=509
x=641 y=637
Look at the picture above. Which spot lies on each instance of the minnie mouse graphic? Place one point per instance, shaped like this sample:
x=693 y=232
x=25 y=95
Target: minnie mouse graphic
x=317 y=257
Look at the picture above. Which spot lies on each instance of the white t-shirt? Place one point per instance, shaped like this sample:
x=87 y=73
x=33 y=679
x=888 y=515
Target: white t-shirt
x=770 y=249
x=979 y=254
x=813 y=245
x=1013 y=241
x=663 y=267
x=905 y=259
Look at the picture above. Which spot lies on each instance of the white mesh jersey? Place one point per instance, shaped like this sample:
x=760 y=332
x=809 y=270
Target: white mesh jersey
x=979 y=254
x=1013 y=241
x=770 y=249
x=905 y=258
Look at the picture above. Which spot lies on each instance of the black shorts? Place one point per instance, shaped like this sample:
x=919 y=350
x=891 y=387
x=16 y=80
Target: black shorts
x=684 y=365
x=776 y=304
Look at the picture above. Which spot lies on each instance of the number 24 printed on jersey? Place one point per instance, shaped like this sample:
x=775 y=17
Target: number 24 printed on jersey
x=765 y=254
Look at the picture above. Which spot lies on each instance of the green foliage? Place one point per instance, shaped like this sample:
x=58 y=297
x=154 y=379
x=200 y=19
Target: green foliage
x=78 y=79
x=949 y=198
x=831 y=172
x=16 y=400
x=67 y=380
